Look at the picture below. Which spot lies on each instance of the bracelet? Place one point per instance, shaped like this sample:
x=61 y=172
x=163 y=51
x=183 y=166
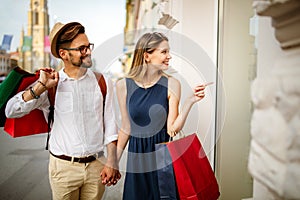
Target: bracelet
x=33 y=93
x=43 y=84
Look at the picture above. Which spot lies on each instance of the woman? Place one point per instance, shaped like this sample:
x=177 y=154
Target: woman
x=148 y=100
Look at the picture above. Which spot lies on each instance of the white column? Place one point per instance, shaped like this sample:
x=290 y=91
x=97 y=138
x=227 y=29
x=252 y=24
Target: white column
x=274 y=160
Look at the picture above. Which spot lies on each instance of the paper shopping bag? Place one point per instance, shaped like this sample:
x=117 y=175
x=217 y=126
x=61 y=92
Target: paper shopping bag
x=194 y=176
x=30 y=124
x=165 y=173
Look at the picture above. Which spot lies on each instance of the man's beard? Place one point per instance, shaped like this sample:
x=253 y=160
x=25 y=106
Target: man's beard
x=84 y=62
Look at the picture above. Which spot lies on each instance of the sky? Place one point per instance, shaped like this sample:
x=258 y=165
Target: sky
x=103 y=19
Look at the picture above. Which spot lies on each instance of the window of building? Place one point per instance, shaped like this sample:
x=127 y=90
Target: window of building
x=35 y=18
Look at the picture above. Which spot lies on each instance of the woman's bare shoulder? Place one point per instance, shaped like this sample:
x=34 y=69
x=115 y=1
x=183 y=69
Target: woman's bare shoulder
x=173 y=82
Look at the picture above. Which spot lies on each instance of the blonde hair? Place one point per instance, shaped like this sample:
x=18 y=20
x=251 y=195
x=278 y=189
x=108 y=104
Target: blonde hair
x=147 y=43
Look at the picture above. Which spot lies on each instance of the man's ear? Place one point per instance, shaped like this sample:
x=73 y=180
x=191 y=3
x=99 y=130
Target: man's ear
x=62 y=53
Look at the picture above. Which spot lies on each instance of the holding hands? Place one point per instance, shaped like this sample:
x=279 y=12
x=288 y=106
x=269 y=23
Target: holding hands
x=110 y=174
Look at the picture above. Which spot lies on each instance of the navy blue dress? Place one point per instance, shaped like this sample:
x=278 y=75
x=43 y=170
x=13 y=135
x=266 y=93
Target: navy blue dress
x=148 y=111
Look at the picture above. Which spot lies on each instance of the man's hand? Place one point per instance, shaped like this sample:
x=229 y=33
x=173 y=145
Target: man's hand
x=110 y=173
x=49 y=77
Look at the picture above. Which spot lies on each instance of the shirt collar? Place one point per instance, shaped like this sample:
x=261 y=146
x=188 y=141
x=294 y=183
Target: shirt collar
x=63 y=76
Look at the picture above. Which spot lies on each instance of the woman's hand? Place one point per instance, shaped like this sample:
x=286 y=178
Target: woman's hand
x=199 y=92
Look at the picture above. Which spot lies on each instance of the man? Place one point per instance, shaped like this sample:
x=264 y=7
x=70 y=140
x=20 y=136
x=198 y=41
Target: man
x=77 y=136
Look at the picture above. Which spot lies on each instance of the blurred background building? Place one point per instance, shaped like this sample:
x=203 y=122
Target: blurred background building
x=34 y=49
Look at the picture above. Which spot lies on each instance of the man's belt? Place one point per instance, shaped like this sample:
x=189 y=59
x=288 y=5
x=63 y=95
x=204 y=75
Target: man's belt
x=87 y=159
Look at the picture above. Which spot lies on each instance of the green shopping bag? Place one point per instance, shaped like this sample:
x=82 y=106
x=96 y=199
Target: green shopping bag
x=8 y=89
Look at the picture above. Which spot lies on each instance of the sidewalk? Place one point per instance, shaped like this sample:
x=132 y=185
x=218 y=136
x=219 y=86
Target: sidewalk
x=24 y=170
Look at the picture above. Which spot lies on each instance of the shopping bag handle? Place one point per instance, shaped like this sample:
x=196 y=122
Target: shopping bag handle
x=180 y=134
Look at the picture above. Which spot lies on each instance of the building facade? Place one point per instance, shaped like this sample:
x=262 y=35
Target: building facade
x=5 y=62
x=33 y=52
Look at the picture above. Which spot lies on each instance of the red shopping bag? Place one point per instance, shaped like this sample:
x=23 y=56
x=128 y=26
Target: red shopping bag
x=194 y=176
x=30 y=124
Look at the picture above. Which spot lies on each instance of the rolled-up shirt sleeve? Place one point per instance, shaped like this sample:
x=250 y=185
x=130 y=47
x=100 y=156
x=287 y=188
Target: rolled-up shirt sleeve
x=16 y=107
x=110 y=127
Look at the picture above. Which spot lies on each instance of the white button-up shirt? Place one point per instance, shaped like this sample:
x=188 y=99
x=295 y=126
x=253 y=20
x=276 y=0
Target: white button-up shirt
x=78 y=116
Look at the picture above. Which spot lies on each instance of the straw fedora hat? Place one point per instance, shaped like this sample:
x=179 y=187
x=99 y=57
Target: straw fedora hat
x=57 y=29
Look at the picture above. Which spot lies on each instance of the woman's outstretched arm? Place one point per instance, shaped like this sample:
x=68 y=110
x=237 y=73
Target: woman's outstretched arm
x=176 y=119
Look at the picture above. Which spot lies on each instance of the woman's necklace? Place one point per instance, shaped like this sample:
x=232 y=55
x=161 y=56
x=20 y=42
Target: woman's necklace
x=146 y=85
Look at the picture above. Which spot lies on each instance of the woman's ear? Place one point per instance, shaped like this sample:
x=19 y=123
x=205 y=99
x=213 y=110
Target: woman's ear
x=146 y=57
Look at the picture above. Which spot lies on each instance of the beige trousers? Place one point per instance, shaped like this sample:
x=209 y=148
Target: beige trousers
x=73 y=181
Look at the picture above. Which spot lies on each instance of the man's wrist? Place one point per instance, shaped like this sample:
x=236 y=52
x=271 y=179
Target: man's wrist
x=111 y=163
x=39 y=89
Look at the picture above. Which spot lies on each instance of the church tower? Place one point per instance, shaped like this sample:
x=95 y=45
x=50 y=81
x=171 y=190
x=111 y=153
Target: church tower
x=33 y=54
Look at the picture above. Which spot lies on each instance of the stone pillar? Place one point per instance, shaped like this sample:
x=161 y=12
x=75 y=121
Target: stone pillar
x=274 y=160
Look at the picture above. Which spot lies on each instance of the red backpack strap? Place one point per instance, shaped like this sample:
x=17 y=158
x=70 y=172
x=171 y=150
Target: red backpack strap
x=103 y=88
x=102 y=85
